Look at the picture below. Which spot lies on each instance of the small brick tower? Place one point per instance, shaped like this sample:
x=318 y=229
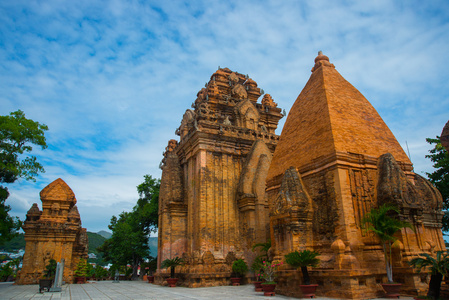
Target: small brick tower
x=53 y=233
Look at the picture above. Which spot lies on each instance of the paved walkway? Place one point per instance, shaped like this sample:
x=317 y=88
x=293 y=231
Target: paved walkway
x=134 y=290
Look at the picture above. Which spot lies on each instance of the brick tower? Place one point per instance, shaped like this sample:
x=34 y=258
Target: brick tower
x=53 y=233
x=335 y=160
x=212 y=205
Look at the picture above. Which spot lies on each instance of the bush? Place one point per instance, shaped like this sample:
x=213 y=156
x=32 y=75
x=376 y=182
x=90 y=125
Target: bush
x=100 y=272
x=50 y=269
x=82 y=268
x=257 y=267
x=239 y=268
x=172 y=264
x=5 y=272
x=303 y=259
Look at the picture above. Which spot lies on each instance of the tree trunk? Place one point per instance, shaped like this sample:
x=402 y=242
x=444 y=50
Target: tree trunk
x=388 y=264
x=135 y=268
x=435 y=285
x=305 y=275
x=172 y=272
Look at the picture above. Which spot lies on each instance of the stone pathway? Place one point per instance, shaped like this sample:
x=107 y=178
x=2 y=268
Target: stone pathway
x=103 y=290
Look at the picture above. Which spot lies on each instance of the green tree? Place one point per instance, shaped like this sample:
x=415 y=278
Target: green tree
x=128 y=244
x=15 y=244
x=17 y=135
x=131 y=230
x=382 y=223
x=439 y=267
x=440 y=177
x=82 y=268
x=147 y=208
x=6 y=271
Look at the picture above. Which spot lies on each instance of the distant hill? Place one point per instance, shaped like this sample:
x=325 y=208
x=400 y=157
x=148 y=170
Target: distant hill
x=152 y=242
x=105 y=234
x=15 y=244
x=95 y=241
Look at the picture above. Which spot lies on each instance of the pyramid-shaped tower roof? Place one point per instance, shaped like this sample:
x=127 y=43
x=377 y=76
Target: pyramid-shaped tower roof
x=331 y=117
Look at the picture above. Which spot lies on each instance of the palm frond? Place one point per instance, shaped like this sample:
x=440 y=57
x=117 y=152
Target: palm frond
x=173 y=262
x=303 y=258
x=438 y=264
x=382 y=224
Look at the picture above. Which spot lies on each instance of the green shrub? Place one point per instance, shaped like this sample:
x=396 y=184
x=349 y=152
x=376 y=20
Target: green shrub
x=239 y=268
x=5 y=271
x=172 y=264
x=50 y=269
x=82 y=268
x=303 y=259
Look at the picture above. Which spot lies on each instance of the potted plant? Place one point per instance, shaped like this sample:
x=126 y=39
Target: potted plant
x=6 y=272
x=380 y=222
x=172 y=264
x=152 y=265
x=269 y=272
x=49 y=276
x=256 y=267
x=304 y=259
x=439 y=267
x=144 y=269
x=81 y=271
x=239 y=269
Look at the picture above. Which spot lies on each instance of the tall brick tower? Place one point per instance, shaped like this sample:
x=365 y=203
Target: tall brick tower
x=212 y=205
x=335 y=160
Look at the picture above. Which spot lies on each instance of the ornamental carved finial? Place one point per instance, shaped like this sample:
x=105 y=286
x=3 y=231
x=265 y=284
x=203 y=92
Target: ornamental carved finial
x=267 y=101
x=321 y=60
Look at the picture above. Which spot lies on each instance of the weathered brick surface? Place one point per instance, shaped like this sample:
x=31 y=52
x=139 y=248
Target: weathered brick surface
x=331 y=116
x=333 y=160
x=53 y=233
x=330 y=168
x=220 y=165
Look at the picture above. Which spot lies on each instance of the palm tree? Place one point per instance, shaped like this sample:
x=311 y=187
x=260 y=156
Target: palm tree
x=439 y=267
x=303 y=259
x=257 y=264
x=172 y=264
x=264 y=247
x=380 y=223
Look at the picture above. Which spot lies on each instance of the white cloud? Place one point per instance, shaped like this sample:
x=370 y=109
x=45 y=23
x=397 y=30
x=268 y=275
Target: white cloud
x=112 y=81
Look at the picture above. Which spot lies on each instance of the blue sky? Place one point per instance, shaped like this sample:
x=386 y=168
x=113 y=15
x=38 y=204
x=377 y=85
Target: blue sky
x=112 y=79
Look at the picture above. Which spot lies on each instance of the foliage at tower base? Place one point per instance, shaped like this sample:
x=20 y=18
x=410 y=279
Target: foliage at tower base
x=131 y=230
x=17 y=134
x=440 y=177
